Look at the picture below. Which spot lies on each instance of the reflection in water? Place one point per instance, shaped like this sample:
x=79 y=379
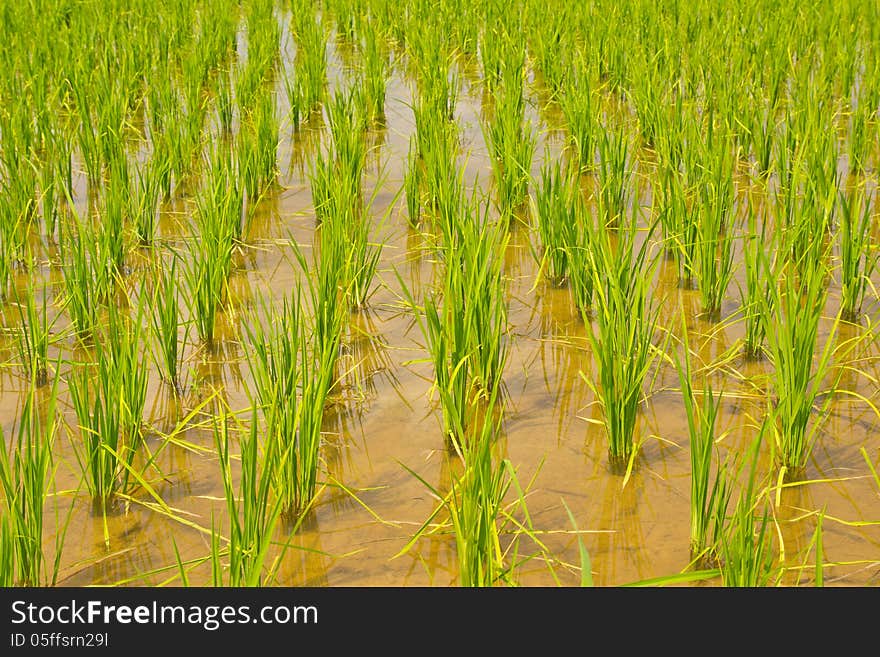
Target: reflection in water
x=302 y=561
x=795 y=523
x=616 y=553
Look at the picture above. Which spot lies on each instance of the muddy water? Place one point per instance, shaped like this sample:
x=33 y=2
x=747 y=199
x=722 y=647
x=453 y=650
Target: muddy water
x=384 y=419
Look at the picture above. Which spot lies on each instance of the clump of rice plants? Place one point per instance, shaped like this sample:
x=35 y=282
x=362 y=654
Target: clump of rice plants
x=293 y=374
x=251 y=511
x=710 y=494
x=217 y=226
x=108 y=398
x=257 y=148
x=87 y=283
x=622 y=332
x=715 y=225
x=465 y=321
x=746 y=556
x=310 y=61
x=375 y=72
x=27 y=470
x=858 y=250
x=165 y=324
x=35 y=335
x=756 y=295
x=412 y=184
x=554 y=206
x=486 y=529
x=564 y=227
x=803 y=378
x=576 y=102
x=615 y=175
x=511 y=141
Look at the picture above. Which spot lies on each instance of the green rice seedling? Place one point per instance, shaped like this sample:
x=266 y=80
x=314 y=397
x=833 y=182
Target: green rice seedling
x=376 y=70
x=756 y=296
x=580 y=261
x=623 y=332
x=746 y=557
x=49 y=197
x=165 y=324
x=857 y=249
x=114 y=209
x=296 y=112
x=35 y=335
x=762 y=132
x=552 y=47
x=576 y=102
x=257 y=148
x=511 y=141
x=710 y=495
x=250 y=509
x=294 y=364
x=274 y=356
x=438 y=146
x=225 y=101
x=321 y=182
x=347 y=117
x=144 y=204
x=87 y=284
x=715 y=227
x=207 y=278
x=109 y=407
x=486 y=529
x=438 y=82
x=858 y=144
x=310 y=62
x=363 y=256
x=475 y=508
x=615 y=175
x=801 y=371
x=477 y=260
x=412 y=183
x=464 y=323
x=554 y=207
x=647 y=91
x=27 y=470
x=218 y=224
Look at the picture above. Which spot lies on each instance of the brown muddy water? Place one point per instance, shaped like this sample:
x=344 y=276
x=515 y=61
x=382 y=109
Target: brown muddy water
x=384 y=419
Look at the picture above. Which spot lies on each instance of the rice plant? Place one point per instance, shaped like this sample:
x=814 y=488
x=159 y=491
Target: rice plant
x=87 y=283
x=27 y=471
x=108 y=399
x=511 y=141
x=412 y=184
x=746 y=556
x=554 y=207
x=710 y=492
x=251 y=511
x=576 y=101
x=802 y=378
x=165 y=323
x=35 y=335
x=622 y=332
x=715 y=227
x=615 y=175
x=858 y=251
x=756 y=296
x=375 y=73
x=486 y=529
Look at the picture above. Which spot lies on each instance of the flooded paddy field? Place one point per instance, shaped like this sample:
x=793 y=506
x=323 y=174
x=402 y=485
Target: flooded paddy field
x=361 y=293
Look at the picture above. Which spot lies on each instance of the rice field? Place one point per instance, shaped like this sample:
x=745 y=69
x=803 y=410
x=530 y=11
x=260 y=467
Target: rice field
x=439 y=293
